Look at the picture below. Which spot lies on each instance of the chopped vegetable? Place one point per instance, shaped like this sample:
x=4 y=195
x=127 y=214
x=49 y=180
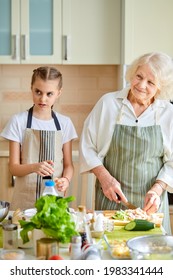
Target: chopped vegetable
x=139 y=224
x=120 y=215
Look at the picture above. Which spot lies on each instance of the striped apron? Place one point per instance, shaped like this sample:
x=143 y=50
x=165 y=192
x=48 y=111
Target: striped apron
x=38 y=146
x=134 y=158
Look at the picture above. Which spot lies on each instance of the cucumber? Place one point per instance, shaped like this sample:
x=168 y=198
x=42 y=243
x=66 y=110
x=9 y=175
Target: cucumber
x=139 y=224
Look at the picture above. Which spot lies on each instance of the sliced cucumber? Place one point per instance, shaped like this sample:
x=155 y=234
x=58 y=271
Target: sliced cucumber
x=139 y=224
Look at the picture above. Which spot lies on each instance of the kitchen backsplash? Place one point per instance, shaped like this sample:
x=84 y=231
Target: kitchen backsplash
x=83 y=85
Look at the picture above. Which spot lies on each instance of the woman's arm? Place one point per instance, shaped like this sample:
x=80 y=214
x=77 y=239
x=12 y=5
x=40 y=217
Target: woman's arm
x=44 y=168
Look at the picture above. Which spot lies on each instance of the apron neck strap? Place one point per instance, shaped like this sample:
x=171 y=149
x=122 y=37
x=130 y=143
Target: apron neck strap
x=29 y=120
x=56 y=121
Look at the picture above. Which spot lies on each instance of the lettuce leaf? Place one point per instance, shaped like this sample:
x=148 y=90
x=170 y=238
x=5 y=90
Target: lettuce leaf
x=52 y=217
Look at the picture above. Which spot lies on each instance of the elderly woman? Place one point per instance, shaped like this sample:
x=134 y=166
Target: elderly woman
x=127 y=139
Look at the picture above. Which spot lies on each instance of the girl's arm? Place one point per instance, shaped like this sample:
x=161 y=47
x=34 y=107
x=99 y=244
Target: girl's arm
x=18 y=169
x=68 y=168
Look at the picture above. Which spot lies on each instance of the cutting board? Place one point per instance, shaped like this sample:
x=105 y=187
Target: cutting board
x=110 y=213
x=121 y=234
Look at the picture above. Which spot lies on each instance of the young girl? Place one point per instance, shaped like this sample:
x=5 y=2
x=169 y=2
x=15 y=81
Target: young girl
x=40 y=141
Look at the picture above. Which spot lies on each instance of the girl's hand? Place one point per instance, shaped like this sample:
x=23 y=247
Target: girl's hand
x=44 y=168
x=151 y=202
x=62 y=183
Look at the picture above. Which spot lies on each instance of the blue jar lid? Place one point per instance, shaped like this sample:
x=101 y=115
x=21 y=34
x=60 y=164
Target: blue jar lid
x=50 y=183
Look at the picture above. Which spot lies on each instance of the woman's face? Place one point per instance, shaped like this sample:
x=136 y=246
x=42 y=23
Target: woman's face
x=144 y=85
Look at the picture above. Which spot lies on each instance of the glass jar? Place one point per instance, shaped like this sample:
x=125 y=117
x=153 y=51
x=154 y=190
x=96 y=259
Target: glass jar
x=10 y=236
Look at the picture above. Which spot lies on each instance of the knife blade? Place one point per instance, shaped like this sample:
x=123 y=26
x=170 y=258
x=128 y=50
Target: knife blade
x=127 y=204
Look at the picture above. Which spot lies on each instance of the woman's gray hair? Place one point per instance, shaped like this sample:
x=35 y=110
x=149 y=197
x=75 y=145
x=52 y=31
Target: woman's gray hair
x=161 y=66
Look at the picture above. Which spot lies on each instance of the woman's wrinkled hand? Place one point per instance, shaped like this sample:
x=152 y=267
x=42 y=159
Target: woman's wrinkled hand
x=112 y=190
x=151 y=202
x=110 y=186
x=44 y=168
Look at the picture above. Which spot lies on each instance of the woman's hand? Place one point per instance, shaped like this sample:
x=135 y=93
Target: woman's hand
x=44 y=168
x=151 y=202
x=62 y=183
x=152 y=198
x=110 y=186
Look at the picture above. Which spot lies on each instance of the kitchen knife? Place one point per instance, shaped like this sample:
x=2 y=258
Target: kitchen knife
x=127 y=204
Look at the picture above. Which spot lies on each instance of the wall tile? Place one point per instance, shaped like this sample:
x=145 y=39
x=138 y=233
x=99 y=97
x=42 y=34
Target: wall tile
x=83 y=85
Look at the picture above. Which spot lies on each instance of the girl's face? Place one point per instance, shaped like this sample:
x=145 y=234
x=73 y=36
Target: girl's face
x=45 y=93
x=144 y=85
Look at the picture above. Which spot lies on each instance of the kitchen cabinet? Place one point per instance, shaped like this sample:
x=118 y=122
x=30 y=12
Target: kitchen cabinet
x=91 y=31
x=147 y=27
x=60 y=31
x=6 y=188
x=30 y=31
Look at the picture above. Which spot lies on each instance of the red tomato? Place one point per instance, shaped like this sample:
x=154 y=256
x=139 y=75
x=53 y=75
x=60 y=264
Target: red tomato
x=56 y=257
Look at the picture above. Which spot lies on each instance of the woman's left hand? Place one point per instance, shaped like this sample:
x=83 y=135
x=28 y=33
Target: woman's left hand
x=151 y=202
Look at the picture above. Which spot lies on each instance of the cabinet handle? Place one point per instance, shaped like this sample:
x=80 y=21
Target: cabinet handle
x=23 y=47
x=67 y=47
x=15 y=47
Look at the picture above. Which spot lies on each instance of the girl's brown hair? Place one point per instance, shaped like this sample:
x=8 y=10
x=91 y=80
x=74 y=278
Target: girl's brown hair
x=47 y=73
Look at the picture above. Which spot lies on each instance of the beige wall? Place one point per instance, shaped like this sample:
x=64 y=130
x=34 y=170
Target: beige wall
x=83 y=85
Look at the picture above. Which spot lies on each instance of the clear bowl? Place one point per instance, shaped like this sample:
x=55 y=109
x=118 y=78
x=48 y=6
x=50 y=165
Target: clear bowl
x=12 y=254
x=118 y=249
x=151 y=247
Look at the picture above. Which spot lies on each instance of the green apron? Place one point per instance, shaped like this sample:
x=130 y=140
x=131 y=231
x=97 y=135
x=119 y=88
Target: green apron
x=134 y=158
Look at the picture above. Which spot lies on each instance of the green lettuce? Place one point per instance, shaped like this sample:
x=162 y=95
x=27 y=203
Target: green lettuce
x=52 y=217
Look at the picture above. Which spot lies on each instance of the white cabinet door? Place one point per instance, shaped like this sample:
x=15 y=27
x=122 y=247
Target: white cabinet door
x=9 y=31
x=41 y=31
x=147 y=28
x=60 y=31
x=91 y=31
x=32 y=31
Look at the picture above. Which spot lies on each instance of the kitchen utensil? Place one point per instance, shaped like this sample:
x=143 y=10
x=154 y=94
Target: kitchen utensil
x=151 y=247
x=10 y=236
x=4 y=209
x=127 y=204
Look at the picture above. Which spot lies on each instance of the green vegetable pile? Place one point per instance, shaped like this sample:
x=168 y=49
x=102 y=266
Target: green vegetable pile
x=120 y=215
x=52 y=217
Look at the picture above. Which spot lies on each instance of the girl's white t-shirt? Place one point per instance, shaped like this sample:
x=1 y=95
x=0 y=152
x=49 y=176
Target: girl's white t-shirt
x=15 y=128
